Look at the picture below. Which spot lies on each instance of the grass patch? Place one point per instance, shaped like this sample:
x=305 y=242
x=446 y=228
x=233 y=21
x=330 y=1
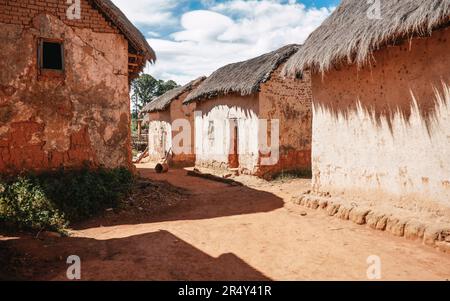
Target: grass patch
x=51 y=201
x=292 y=174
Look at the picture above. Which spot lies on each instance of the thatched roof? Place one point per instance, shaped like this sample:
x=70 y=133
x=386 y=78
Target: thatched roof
x=349 y=36
x=243 y=78
x=132 y=34
x=162 y=103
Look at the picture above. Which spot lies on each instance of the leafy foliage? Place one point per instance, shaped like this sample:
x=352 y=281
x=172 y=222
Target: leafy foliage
x=52 y=200
x=146 y=88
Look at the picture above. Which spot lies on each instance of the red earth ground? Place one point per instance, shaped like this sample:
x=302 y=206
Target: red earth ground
x=222 y=232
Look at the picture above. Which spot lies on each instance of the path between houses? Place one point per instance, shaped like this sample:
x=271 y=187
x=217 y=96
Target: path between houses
x=223 y=232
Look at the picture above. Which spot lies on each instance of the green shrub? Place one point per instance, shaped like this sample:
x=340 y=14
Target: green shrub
x=53 y=200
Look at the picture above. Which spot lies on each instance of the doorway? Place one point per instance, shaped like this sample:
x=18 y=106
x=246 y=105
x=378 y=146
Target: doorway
x=233 y=156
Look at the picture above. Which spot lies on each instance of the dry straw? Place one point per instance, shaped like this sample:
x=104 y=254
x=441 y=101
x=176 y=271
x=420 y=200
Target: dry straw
x=162 y=103
x=242 y=78
x=350 y=36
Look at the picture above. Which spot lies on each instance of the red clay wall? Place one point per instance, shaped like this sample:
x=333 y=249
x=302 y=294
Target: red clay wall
x=290 y=101
x=22 y=12
x=80 y=118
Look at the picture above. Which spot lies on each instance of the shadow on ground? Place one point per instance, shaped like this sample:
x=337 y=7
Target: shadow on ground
x=204 y=199
x=151 y=256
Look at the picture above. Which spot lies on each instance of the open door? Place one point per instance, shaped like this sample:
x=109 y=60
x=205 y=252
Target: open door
x=233 y=156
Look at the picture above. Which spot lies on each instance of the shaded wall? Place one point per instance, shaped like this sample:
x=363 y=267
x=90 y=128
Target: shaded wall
x=290 y=101
x=382 y=131
x=81 y=119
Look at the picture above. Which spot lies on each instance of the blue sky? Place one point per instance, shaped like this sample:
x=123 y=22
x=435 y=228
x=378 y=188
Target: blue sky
x=194 y=38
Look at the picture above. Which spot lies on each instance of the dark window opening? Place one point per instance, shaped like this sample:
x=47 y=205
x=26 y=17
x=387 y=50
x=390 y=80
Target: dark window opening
x=51 y=55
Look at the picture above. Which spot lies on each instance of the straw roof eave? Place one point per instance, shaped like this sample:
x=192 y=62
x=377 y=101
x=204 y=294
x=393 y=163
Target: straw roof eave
x=163 y=102
x=243 y=78
x=349 y=36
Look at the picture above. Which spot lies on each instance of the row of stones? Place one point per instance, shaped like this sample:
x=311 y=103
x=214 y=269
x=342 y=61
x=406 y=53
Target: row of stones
x=435 y=235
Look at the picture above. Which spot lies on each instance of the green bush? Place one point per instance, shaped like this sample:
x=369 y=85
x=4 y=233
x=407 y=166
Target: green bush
x=53 y=200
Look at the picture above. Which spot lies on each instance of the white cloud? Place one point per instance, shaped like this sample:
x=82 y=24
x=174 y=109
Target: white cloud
x=270 y=22
x=229 y=32
x=202 y=26
x=185 y=60
x=149 y=12
x=153 y=34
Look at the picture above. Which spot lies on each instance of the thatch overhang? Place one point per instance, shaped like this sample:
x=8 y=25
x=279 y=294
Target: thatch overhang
x=349 y=36
x=163 y=102
x=243 y=78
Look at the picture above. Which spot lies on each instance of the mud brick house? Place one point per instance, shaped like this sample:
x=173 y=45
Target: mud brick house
x=231 y=103
x=165 y=116
x=381 y=102
x=64 y=84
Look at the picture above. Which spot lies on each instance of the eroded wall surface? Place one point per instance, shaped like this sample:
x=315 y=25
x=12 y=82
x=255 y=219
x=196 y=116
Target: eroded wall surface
x=159 y=135
x=383 y=132
x=183 y=133
x=46 y=123
x=214 y=136
x=173 y=130
x=289 y=101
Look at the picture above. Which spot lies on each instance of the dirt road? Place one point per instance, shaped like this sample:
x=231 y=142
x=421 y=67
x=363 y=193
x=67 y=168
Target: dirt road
x=224 y=232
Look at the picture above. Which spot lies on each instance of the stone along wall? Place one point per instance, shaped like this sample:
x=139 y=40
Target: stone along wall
x=289 y=101
x=383 y=132
x=70 y=120
x=213 y=133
